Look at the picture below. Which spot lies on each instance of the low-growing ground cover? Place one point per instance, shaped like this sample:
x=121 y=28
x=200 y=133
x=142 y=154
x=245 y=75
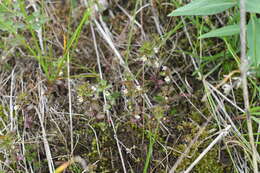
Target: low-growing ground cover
x=119 y=86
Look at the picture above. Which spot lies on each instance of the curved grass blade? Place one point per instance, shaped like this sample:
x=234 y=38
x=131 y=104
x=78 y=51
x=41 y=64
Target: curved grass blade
x=221 y=32
x=204 y=7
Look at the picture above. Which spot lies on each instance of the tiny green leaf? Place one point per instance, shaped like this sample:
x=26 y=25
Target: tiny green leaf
x=204 y=7
x=221 y=32
x=255 y=110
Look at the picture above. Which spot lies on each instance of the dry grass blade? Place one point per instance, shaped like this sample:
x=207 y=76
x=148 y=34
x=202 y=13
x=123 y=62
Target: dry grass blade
x=41 y=115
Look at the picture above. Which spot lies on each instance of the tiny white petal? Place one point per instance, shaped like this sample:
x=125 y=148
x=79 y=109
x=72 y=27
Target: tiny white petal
x=93 y=88
x=16 y=107
x=137 y=117
x=164 y=68
x=138 y=87
x=60 y=73
x=125 y=91
x=156 y=49
x=80 y=99
x=156 y=64
x=167 y=79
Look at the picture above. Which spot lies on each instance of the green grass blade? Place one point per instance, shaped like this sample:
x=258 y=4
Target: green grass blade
x=253 y=39
x=221 y=32
x=150 y=152
x=204 y=7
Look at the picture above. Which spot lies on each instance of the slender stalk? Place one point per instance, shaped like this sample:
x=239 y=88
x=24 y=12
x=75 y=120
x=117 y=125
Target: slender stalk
x=244 y=69
x=105 y=100
x=150 y=152
x=70 y=105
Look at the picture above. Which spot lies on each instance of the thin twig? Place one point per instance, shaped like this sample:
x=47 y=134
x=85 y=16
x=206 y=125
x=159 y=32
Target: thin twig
x=244 y=69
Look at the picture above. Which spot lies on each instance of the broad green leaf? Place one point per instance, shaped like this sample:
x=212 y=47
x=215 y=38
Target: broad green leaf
x=204 y=7
x=253 y=42
x=253 y=6
x=221 y=32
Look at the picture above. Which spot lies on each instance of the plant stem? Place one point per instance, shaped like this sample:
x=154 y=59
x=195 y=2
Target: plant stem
x=244 y=69
x=150 y=151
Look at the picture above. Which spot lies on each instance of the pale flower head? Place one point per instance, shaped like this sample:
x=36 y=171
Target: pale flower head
x=16 y=107
x=80 y=99
x=164 y=68
x=138 y=87
x=167 y=79
x=125 y=91
x=156 y=64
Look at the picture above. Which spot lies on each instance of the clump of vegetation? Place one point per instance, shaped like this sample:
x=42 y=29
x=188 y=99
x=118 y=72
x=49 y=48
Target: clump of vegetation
x=127 y=86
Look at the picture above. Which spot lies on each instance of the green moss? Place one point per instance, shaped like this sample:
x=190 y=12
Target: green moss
x=209 y=163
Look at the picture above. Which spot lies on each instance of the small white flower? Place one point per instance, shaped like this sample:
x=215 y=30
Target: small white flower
x=128 y=150
x=167 y=79
x=164 y=68
x=125 y=91
x=94 y=88
x=16 y=107
x=143 y=58
x=3 y=57
x=61 y=73
x=137 y=117
x=156 y=49
x=156 y=64
x=138 y=87
x=80 y=99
